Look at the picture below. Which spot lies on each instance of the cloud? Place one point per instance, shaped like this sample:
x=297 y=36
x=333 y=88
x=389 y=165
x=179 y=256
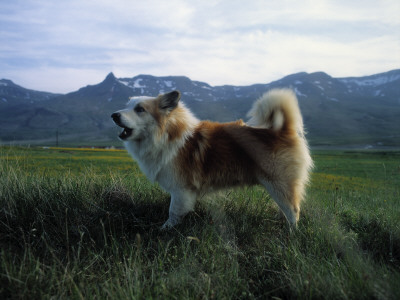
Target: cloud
x=220 y=42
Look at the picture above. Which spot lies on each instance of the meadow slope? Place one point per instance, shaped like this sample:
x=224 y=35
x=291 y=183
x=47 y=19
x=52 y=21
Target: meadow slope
x=84 y=224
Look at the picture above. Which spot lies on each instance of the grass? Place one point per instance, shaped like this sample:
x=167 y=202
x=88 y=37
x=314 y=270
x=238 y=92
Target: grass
x=85 y=224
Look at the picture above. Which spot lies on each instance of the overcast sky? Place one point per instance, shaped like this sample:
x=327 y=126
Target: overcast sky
x=60 y=46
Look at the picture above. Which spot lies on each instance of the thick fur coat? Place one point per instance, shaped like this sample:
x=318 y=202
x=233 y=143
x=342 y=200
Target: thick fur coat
x=188 y=157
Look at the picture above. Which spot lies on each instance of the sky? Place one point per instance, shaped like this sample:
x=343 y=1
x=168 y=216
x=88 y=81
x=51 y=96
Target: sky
x=61 y=46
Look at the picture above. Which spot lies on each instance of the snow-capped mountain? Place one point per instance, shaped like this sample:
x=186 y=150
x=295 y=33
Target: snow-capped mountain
x=375 y=85
x=336 y=110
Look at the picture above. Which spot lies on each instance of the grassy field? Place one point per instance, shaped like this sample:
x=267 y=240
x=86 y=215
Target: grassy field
x=83 y=224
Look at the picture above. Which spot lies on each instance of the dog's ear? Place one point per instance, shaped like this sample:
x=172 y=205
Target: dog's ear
x=170 y=100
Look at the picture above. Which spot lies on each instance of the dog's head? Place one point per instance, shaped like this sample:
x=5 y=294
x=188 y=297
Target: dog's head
x=145 y=116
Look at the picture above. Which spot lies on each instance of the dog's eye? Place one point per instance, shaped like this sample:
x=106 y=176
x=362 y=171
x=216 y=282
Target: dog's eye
x=139 y=109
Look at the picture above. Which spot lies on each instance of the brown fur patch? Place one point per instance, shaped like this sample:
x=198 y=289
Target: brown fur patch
x=152 y=108
x=170 y=122
x=176 y=125
x=220 y=155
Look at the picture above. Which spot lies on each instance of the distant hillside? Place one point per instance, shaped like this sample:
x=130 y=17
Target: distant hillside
x=359 y=111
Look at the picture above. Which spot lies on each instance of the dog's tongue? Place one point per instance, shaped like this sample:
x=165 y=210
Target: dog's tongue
x=125 y=133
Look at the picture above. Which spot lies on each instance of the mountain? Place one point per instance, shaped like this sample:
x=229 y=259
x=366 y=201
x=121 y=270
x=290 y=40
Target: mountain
x=337 y=111
x=13 y=94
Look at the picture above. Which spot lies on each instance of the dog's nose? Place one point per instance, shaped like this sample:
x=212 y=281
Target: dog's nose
x=116 y=117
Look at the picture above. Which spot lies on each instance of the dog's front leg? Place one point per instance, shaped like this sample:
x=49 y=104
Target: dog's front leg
x=182 y=202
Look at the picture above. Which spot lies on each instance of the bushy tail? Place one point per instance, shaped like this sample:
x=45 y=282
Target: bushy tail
x=278 y=110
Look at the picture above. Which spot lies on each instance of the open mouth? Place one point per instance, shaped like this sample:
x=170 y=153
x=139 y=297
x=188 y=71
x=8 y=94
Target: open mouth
x=126 y=133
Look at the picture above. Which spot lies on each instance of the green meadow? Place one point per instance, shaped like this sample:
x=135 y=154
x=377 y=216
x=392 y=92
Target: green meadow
x=84 y=224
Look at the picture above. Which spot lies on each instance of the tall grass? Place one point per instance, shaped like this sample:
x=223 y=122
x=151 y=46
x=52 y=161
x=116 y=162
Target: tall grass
x=76 y=224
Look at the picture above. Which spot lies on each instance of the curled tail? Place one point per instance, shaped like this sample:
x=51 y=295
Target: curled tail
x=278 y=110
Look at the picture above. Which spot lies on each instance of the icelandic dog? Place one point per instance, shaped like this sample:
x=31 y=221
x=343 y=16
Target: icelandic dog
x=188 y=157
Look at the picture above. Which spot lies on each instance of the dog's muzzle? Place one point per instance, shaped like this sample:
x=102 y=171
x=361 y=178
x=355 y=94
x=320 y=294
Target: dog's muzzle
x=127 y=132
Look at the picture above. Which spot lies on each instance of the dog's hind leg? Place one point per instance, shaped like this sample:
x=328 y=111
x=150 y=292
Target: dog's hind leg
x=182 y=202
x=287 y=197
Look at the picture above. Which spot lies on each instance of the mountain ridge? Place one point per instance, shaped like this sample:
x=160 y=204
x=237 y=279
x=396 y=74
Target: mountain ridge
x=348 y=110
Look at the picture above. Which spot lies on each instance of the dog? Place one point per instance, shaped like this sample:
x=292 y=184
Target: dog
x=189 y=157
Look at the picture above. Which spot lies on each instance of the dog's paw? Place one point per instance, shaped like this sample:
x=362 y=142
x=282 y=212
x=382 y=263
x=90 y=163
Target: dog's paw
x=167 y=226
x=171 y=222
